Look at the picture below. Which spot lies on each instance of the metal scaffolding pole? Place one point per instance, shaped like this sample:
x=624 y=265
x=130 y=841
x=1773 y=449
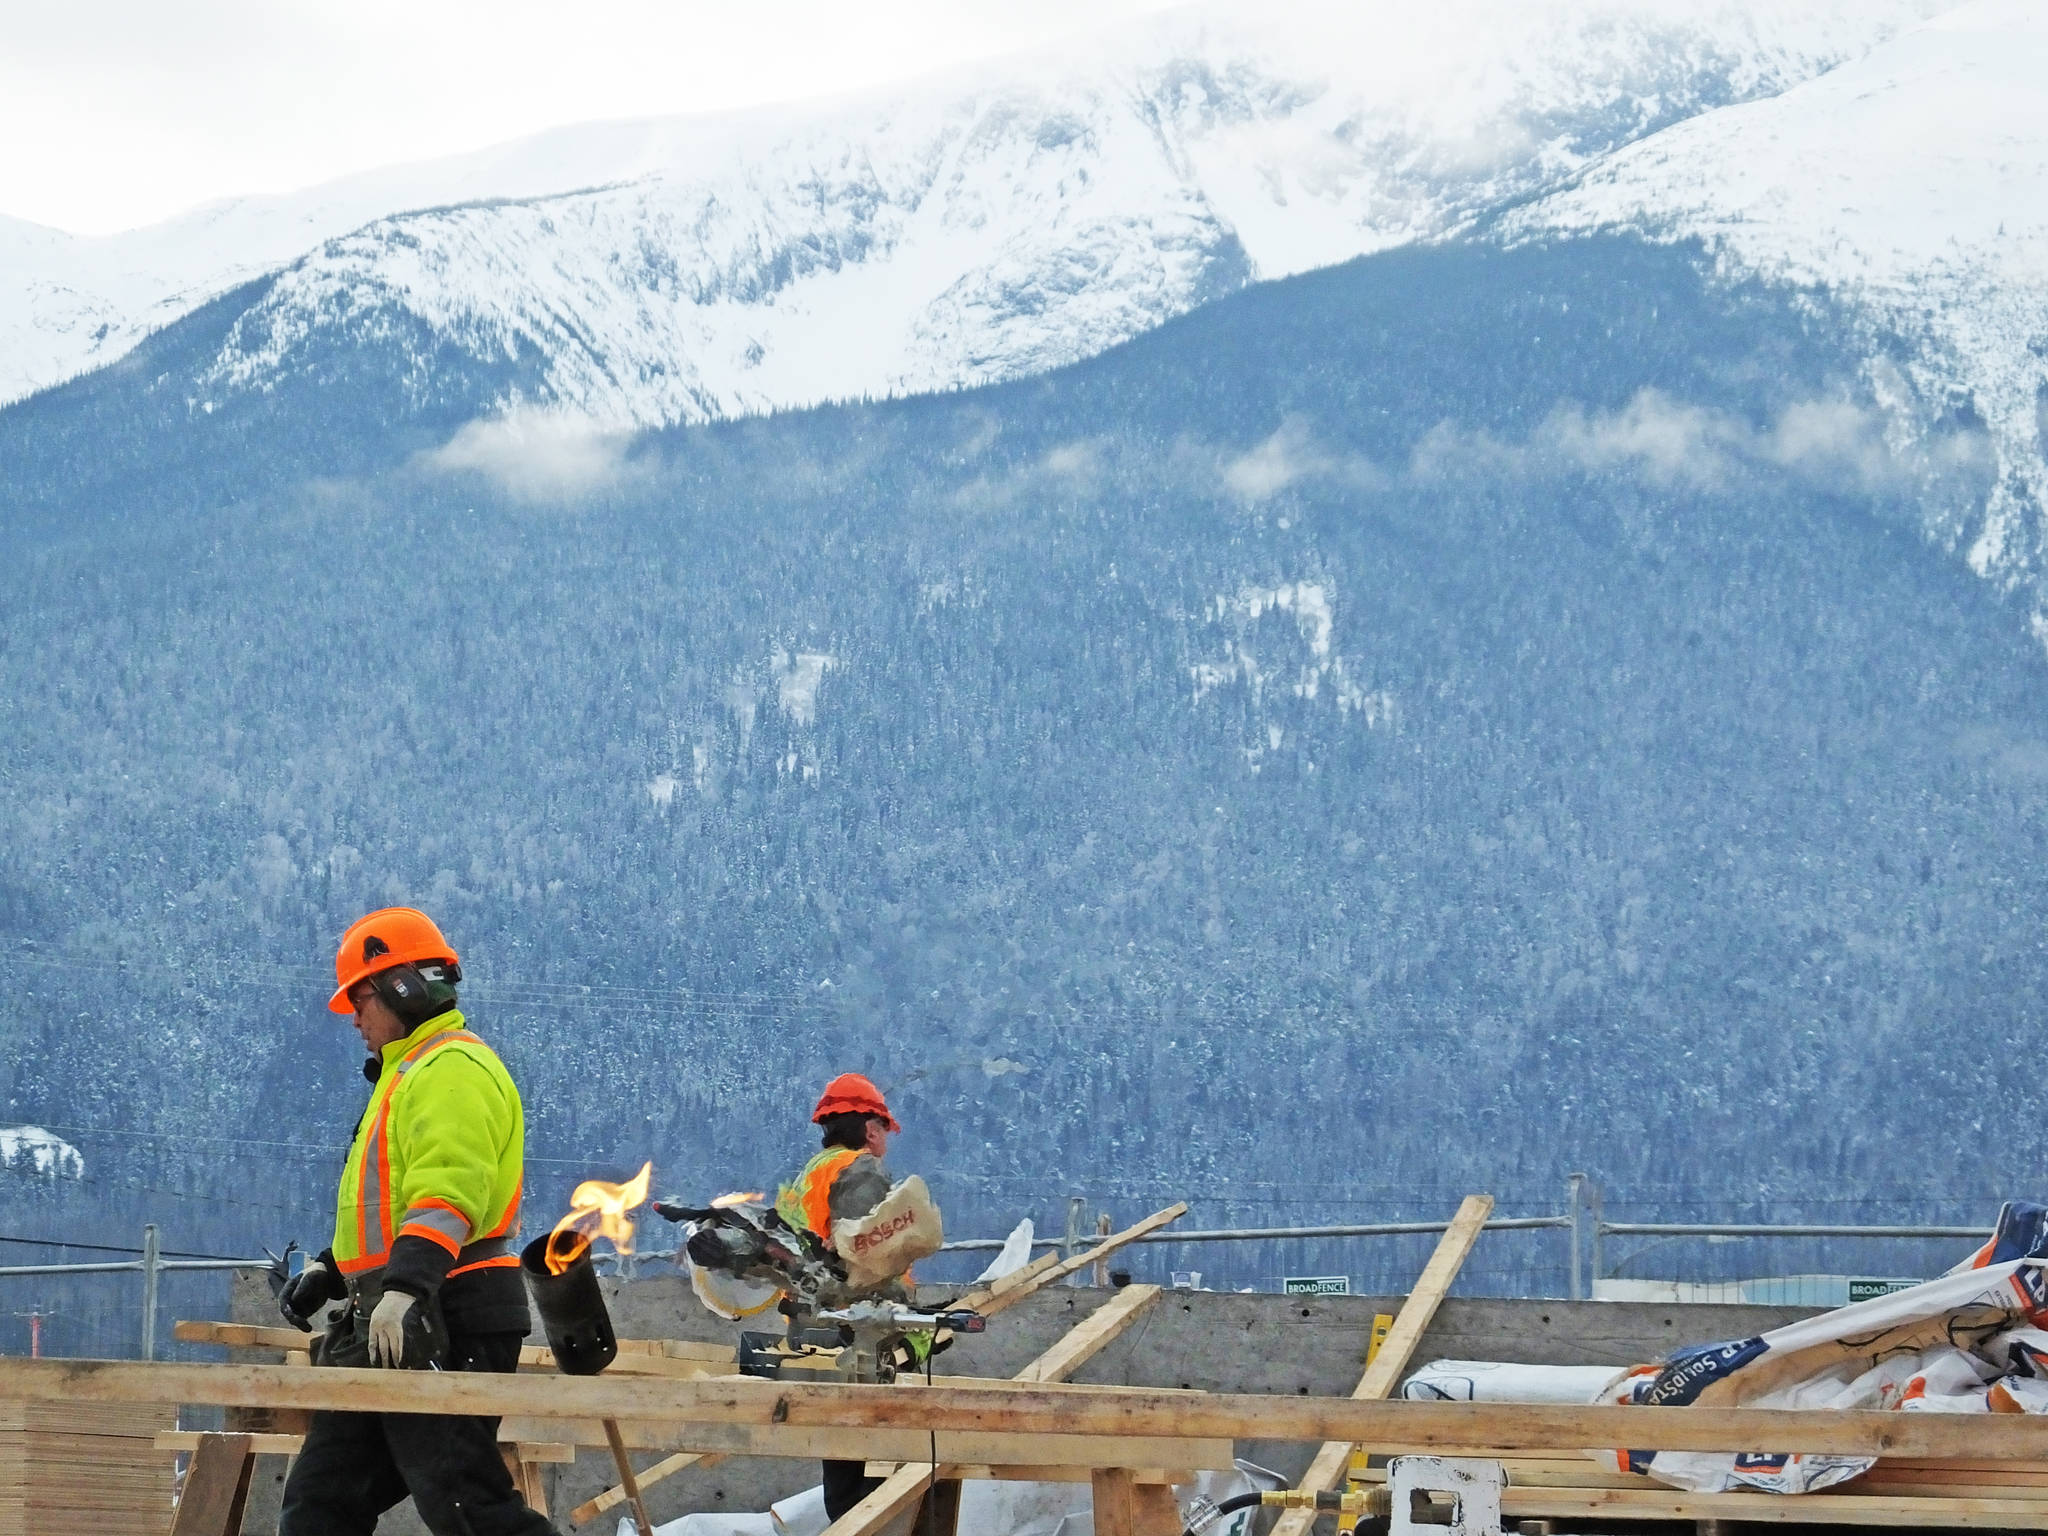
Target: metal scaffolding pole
x=149 y=1279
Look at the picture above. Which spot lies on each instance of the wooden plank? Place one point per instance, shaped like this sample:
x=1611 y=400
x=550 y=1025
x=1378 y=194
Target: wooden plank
x=627 y=1481
x=667 y=1467
x=1116 y=1502
x=1390 y=1427
x=259 y=1444
x=216 y=1487
x=1068 y=1354
x=902 y=1445
x=1048 y=1269
x=1011 y=1384
x=644 y=1357
x=289 y=1445
x=1390 y=1359
x=241 y=1335
x=1164 y=1477
x=531 y=1480
x=1156 y=1510
x=1091 y=1336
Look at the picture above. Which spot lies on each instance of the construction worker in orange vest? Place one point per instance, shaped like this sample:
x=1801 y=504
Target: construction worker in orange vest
x=425 y=1249
x=844 y=1182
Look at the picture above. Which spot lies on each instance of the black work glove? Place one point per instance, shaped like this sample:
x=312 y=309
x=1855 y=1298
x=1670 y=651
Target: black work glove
x=308 y=1291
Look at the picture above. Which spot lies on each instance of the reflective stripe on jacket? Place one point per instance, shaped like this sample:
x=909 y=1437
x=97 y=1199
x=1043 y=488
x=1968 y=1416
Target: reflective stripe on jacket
x=438 y=1155
x=805 y=1202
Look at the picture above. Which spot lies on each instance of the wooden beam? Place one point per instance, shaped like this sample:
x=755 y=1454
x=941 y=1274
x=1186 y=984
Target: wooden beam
x=684 y=1359
x=628 y=1483
x=216 y=1488
x=1163 y=1477
x=264 y=1444
x=1392 y=1427
x=1115 y=1493
x=667 y=1467
x=1047 y=1270
x=1383 y=1371
x=1091 y=1336
x=1080 y=1344
x=259 y=1444
x=901 y=1445
x=1156 y=1510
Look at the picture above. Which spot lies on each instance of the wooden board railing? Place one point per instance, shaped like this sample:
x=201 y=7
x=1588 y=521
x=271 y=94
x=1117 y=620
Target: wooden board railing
x=767 y=1405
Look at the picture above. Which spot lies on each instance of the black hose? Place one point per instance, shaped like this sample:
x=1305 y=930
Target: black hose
x=1229 y=1506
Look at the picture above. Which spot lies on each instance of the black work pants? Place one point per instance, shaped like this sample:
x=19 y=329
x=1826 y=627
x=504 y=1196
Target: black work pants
x=846 y=1484
x=354 y=1466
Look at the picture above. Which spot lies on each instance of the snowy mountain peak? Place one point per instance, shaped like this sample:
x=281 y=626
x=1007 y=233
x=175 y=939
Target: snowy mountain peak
x=993 y=225
x=1910 y=185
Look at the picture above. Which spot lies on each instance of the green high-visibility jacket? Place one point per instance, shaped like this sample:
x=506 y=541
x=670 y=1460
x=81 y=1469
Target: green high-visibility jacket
x=430 y=1190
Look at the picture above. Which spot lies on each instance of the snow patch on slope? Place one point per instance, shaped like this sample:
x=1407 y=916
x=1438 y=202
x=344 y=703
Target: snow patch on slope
x=31 y=1149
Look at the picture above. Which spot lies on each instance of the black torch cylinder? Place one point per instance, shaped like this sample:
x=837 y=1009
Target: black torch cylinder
x=572 y=1311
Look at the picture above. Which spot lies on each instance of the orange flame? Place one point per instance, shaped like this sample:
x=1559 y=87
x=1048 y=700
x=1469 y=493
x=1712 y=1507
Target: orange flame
x=597 y=1209
x=738 y=1197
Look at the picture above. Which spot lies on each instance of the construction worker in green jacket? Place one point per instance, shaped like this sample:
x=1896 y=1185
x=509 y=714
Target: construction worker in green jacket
x=424 y=1251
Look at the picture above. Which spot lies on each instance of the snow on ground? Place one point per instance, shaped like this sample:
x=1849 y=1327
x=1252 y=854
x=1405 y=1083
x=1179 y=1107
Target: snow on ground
x=31 y=1149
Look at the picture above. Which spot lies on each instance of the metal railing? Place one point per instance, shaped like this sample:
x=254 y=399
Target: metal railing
x=151 y=1265
x=1582 y=1218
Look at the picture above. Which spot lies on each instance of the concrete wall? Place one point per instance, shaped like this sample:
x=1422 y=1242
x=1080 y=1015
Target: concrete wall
x=1211 y=1341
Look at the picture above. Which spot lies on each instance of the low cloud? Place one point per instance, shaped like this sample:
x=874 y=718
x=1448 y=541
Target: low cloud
x=1290 y=455
x=1668 y=442
x=1075 y=468
x=536 y=456
x=1832 y=440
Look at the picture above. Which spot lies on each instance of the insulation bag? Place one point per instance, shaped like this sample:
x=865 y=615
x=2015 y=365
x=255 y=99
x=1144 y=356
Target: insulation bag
x=883 y=1244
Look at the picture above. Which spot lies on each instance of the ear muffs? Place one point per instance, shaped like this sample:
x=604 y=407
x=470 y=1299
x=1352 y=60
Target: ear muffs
x=404 y=991
x=418 y=992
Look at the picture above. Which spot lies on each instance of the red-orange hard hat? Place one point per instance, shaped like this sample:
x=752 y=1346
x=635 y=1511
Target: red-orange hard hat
x=851 y=1094
x=393 y=936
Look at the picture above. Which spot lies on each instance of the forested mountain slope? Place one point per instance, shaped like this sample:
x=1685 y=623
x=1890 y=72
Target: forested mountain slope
x=1424 y=725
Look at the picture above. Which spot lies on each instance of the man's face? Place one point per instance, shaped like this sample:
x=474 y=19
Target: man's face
x=375 y=1021
x=878 y=1137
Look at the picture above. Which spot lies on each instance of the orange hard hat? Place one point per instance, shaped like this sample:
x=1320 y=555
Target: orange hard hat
x=392 y=936
x=851 y=1094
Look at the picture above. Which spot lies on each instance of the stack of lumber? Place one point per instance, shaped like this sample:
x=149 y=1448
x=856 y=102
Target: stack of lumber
x=1567 y=1485
x=71 y=1467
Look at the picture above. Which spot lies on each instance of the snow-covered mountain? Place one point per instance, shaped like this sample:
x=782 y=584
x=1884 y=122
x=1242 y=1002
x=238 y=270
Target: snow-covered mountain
x=1909 y=187
x=928 y=237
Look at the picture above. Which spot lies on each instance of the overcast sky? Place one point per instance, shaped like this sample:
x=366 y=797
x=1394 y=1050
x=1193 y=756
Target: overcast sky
x=121 y=112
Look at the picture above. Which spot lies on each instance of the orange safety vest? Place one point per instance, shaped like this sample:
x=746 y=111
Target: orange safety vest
x=806 y=1201
x=457 y=1190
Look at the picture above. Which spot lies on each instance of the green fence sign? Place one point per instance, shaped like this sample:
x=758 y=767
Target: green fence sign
x=1316 y=1285
x=1865 y=1289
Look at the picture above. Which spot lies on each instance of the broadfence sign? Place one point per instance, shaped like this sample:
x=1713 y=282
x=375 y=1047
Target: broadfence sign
x=1316 y=1285
x=1863 y=1289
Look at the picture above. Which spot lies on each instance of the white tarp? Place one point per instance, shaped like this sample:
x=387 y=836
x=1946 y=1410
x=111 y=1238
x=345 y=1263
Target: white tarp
x=1015 y=1253
x=1972 y=1341
x=1499 y=1381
